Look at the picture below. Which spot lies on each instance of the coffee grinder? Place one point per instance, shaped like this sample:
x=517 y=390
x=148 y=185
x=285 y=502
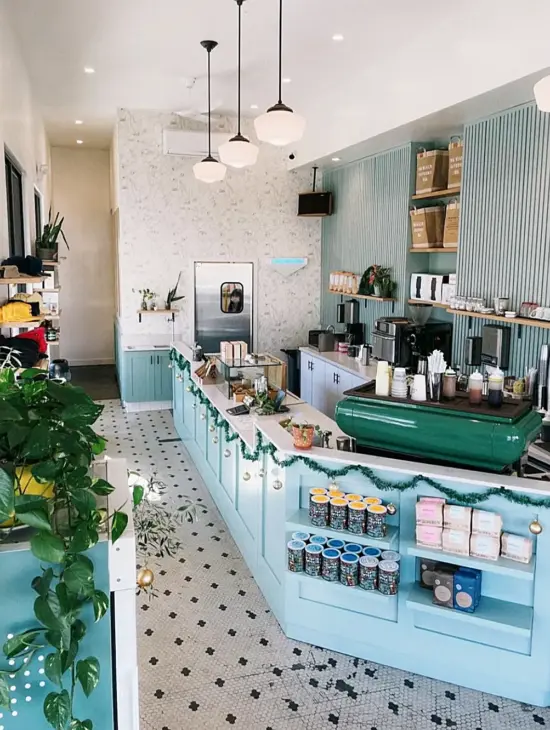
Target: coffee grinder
x=347 y=313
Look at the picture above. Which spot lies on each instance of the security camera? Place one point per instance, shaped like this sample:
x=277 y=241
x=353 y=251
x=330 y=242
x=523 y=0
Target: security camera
x=292 y=156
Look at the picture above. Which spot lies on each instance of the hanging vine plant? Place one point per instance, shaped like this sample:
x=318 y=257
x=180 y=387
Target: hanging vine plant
x=47 y=446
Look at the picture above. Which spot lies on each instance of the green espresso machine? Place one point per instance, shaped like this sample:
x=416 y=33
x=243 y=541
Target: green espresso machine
x=455 y=432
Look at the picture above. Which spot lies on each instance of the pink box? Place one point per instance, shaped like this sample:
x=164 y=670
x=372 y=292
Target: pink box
x=486 y=523
x=429 y=512
x=516 y=547
x=457 y=518
x=429 y=536
x=456 y=541
x=226 y=351
x=484 y=546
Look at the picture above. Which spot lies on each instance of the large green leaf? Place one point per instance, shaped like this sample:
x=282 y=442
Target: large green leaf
x=9 y=412
x=83 y=501
x=119 y=524
x=21 y=643
x=6 y=496
x=47 y=471
x=57 y=709
x=38 y=518
x=68 y=394
x=17 y=433
x=138 y=493
x=4 y=692
x=81 y=414
x=98 y=445
x=83 y=538
x=79 y=579
x=68 y=656
x=47 y=547
x=40 y=441
x=52 y=668
x=81 y=725
x=47 y=610
x=41 y=584
x=78 y=630
x=101 y=487
x=100 y=603
x=87 y=673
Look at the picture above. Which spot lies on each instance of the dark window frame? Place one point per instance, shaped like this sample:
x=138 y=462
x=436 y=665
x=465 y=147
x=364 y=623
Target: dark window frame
x=37 y=213
x=15 y=205
x=234 y=284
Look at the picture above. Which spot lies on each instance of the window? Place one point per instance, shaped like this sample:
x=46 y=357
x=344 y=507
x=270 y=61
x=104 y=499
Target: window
x=14 y=188
x=231 y=297
x=37 y=213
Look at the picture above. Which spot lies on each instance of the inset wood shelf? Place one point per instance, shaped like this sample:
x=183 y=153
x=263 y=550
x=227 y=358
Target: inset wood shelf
x=23 y=280
x=363 y=296
x=167 y=312
x=433 y=304
x=433 y=249
x=437 y=194
x=527 y=321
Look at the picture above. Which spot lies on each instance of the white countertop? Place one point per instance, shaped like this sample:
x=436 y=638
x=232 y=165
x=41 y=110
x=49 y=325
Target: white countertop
x=246 y=427
x=141 y=342
x=344 y=362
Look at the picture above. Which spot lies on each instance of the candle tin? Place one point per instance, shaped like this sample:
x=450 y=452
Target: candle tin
x=395 y=557
x=376 y=521
x=372 y=500
x=372 y=552
x=295 y=551
x=352 y=547
x=357 y=517
x=349 y=569
x=301 y=536
x=368 y=573
x=338 y=513
x=335 y=494
x=330 y=566
x=316 y=492
x=318 y=540
x=388 y=571
x=353 y=497
x=312 y=560
x=319 y=510
x=336 y=543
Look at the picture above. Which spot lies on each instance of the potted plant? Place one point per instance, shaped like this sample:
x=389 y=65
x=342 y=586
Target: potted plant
x=47 y=445
x=383 y=284
x=173 y=294
x=148 y=299
x=303 y=434
x=47 y=246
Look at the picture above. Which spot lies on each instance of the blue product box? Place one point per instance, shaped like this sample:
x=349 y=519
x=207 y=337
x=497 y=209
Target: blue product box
x=467 y=589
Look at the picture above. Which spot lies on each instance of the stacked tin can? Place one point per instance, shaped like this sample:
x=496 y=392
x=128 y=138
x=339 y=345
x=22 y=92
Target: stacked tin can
x=295 y=552
x=388 y=577
x=313 y=553
x=319 y=505
x=376 y=521
x=331 y=564
x=368 y=573
x=357 y=517
x=338 y=513
x=394 y=557
x=349 y=569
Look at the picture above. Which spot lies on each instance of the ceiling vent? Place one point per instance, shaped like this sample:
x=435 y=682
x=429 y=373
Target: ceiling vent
x=191 y=144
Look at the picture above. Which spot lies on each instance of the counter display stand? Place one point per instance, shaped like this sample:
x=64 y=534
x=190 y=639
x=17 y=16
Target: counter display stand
x=262 y=492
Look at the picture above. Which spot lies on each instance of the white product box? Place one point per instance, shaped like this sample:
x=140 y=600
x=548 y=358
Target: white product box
x=456 y=541
x=516 y=547
x=483 y=546
x=427 y=287
x=448 y=291
x=457 y=518
x=452 y=279
x=486 y=523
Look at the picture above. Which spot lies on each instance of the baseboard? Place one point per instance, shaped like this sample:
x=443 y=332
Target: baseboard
x=151 y=405
x=93 y=361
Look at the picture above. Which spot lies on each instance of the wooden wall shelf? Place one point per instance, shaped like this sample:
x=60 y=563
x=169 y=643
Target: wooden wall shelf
x=527 y=321
x=363 y=296
x=437 y=194
x=23 y=280
x=433 y=304
x=166 y=312
x=434 y=249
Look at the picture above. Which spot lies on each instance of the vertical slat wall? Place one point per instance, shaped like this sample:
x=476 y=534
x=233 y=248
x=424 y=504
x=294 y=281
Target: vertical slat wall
x=370 y=225
x=505 y=230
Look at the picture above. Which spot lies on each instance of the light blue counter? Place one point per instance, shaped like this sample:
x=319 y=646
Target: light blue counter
x=502 y=648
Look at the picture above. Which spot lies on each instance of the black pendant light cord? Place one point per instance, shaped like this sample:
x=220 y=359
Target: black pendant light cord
x=209 y=121
x=239 y=3
x=280 y=52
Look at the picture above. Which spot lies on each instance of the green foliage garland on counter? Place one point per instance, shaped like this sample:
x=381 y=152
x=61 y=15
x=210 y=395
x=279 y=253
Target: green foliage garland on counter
x=384 y=485
x=47 y=446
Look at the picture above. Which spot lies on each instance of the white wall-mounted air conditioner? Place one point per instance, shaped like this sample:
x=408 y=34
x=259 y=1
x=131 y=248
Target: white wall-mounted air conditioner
x=191 y=144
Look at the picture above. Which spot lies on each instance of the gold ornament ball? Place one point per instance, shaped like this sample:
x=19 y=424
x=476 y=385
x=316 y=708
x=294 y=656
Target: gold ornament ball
x=145 y=578
x=535 y=527
x=391 y=509
x=333 y=487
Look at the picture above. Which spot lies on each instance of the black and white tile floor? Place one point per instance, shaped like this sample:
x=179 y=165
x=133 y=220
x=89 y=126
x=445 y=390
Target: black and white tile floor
x=212 y=656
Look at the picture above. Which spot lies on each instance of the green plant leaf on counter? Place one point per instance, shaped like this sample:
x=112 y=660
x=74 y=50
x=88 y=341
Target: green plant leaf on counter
x=57 y=709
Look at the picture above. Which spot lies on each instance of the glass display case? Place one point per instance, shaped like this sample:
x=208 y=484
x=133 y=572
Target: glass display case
x=239 y=378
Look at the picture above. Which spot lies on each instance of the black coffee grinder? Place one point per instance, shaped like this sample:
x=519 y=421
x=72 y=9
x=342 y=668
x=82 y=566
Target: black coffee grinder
x=347 y=313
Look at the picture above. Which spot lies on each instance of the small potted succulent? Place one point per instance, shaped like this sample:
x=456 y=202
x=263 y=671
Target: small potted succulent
x=47 y=243
x=173 y=295
x=148 y=299
x=303 y=434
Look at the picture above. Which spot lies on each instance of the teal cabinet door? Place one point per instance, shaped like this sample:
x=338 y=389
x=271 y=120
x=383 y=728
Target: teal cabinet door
x=177 y=400
x=213 y=446
x=228 y=467
x=247 y=505
x=138 y=377
x=190 y=402
x=163 y=376
x=201 y=428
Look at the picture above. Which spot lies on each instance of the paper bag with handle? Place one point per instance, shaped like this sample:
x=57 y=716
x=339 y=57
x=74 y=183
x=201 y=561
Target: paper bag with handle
x=432 y=167
x=456 y=149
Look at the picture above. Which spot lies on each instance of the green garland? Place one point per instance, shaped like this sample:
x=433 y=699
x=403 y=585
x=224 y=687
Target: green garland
x=384 y=485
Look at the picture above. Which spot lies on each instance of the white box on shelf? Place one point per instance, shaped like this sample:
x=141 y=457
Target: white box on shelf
x=452 y=279
x=448 y=291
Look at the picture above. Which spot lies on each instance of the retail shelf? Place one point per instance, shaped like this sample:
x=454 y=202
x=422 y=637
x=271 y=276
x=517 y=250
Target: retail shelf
x=48 y=291
x=513 y=617
x=337 y=587
x=50 y=263
x=30 y=323
x=423 y=301
x=300 y=521
x=158 y=311
x=363 y=296
x=527 y=321
x=8 y=281
x=502 y=566
x=437 y=194
x=434 y=249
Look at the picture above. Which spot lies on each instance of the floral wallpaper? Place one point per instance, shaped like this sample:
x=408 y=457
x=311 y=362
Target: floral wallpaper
x=168 y=220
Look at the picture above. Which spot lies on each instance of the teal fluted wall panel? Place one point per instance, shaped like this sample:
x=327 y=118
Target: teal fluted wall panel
x=505 y=229
x=370 y=225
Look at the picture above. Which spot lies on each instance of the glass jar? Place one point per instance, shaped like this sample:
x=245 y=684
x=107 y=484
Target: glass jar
x=495 y=393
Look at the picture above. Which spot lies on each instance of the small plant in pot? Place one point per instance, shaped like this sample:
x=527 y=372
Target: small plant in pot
x=173 y=294
x=47 y=243
x=148 y=299
x=383 y=284
x=303 y=434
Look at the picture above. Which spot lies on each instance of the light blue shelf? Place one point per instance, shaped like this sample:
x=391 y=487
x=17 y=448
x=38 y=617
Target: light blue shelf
x=502 y=566
x=337 y=587
x=300 y=521
x=491 y=613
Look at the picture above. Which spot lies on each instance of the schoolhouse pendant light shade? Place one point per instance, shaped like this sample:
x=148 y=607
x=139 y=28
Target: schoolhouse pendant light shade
x=209 y=170
x=280 y=125
x=239 y=151
x=542 y=94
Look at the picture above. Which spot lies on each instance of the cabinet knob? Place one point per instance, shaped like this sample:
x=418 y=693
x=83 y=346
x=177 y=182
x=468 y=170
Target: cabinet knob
x=212 y=428
x=277 y=484
x=227 y=453
x=188 y=389
x=203 y=416
x=215 y=440
x=246 y=476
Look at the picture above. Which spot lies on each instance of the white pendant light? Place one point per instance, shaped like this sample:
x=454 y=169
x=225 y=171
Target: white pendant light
x=209 y=170
x=542 y=94
x=280 y=125
x=239 y=151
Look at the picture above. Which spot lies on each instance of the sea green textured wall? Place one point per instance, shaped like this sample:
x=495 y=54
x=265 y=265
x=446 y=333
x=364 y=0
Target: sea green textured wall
x=370 y=225
x=505 y=222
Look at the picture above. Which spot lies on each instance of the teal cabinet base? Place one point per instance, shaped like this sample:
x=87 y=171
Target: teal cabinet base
x=144 y=377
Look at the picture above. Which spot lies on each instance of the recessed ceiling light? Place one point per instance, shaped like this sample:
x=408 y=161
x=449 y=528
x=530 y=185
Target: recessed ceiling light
x=89 y=70
x=336 y=159
x=253 y=106
x=286 y=80
x=337 y=37
x=79 y=141
x=78 y=121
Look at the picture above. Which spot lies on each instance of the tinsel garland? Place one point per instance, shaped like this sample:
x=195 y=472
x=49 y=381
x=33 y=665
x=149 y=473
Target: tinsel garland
x=384 y=485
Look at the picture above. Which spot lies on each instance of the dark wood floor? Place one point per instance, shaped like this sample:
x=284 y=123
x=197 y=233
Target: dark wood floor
x=99 y=381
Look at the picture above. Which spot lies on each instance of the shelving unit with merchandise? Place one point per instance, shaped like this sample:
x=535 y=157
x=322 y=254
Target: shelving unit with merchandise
x=49 y=288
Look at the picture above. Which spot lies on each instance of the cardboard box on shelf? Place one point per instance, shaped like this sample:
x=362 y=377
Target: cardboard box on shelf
x=427 y=226
x=432 y=171
x=448 y=291
x=428 y=287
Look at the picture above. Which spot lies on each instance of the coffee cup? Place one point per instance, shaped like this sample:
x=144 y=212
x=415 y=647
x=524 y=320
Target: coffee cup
x=418 y=388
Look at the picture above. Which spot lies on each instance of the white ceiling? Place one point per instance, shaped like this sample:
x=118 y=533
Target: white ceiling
x=399 y=61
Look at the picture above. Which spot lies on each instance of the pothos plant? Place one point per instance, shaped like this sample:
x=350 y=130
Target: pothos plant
x=47 y=445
